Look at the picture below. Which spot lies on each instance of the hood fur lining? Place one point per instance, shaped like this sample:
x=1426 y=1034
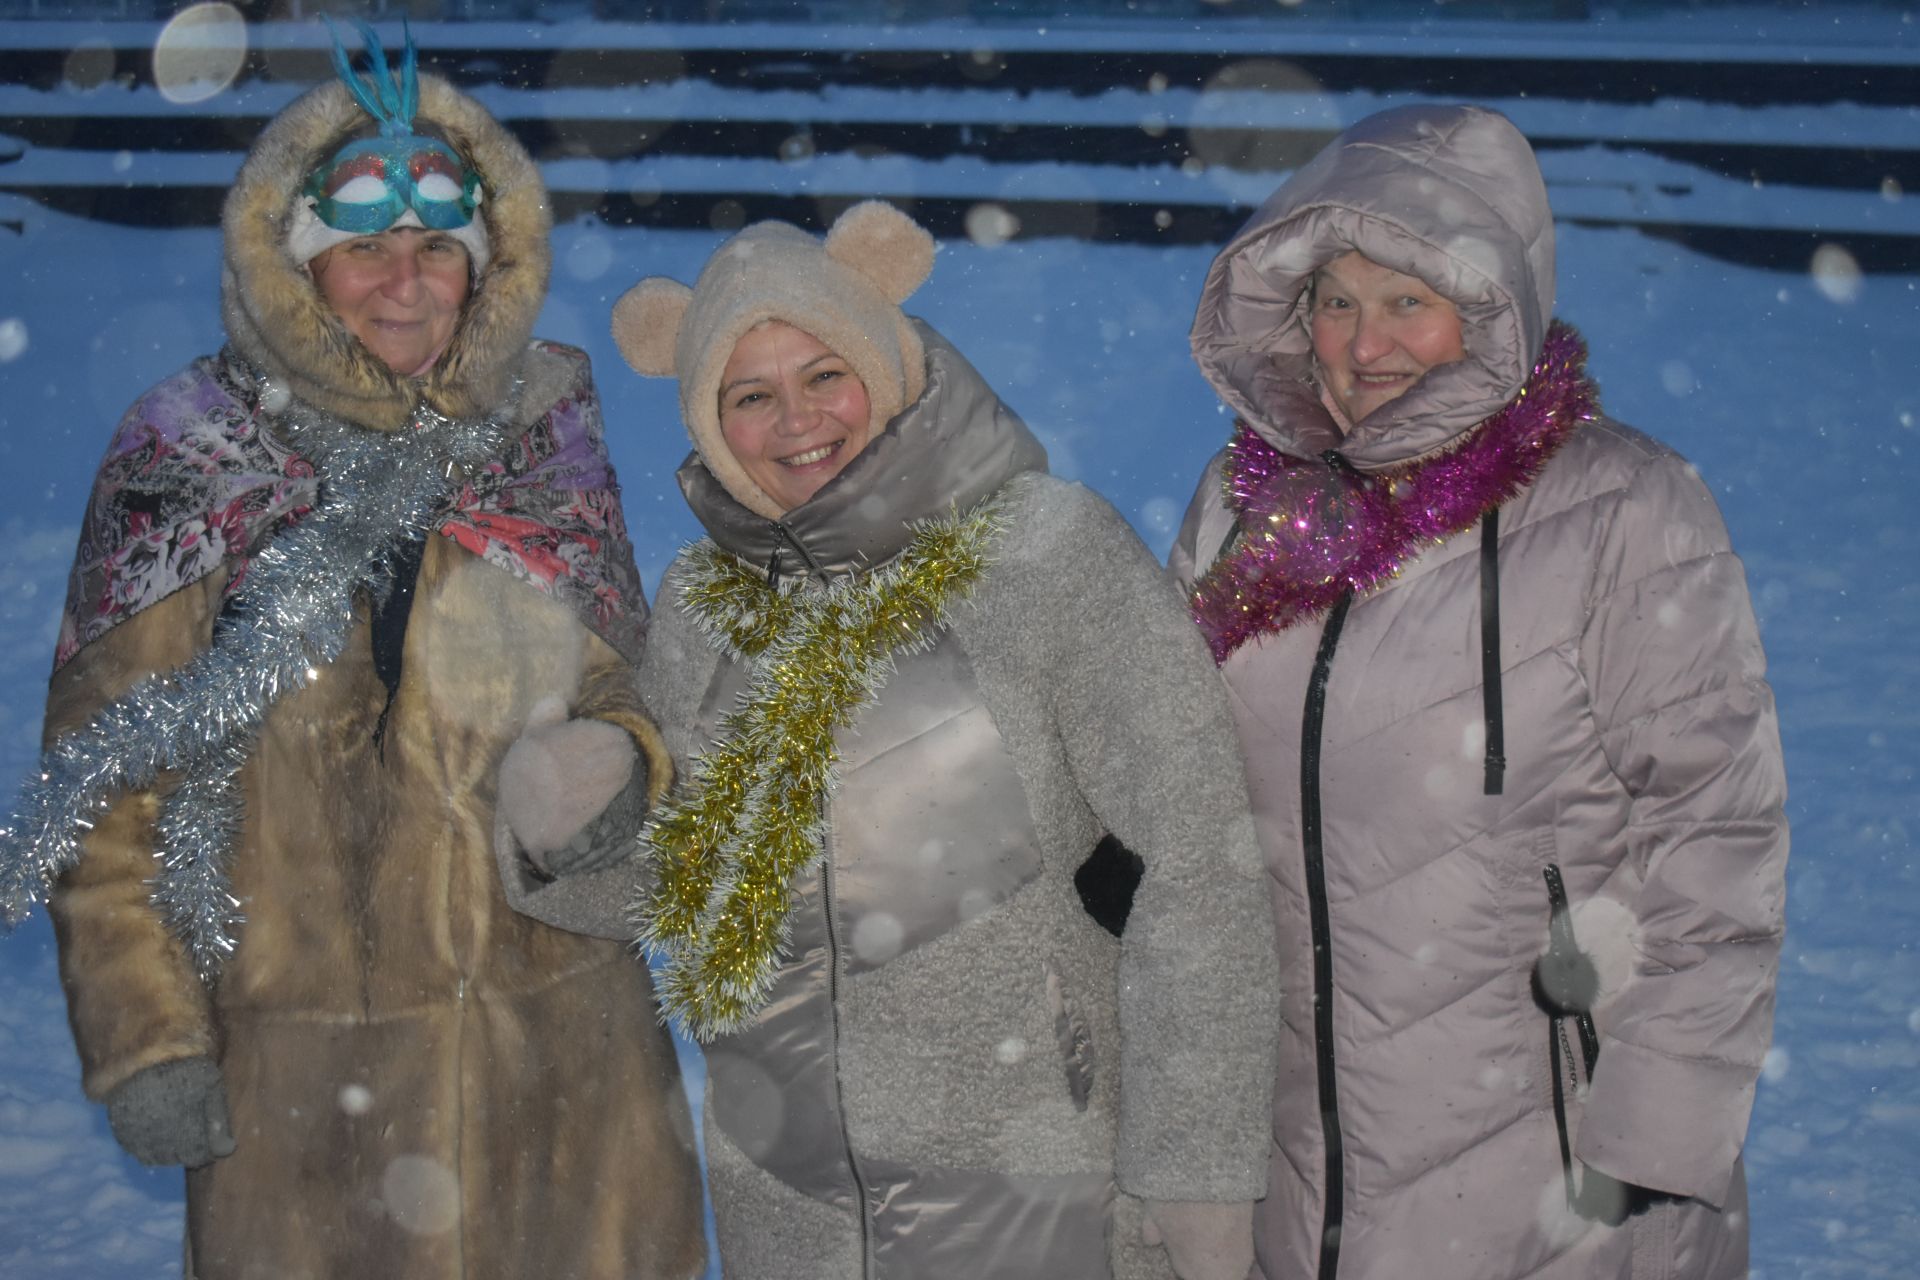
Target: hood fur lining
x=276 y=317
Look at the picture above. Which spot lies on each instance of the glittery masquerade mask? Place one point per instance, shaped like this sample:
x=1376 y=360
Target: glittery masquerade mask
x=371 y=183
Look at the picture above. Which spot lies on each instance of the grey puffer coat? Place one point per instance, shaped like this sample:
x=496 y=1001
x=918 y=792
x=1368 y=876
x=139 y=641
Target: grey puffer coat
x=960 y=1074
x=1415 y=1128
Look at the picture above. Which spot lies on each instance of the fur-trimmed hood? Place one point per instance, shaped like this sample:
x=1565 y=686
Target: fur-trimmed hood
x=275 y=316
x=1449 y=194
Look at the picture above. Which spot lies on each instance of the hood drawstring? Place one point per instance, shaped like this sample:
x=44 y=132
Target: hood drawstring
x=787 y=536
x=1496 y=763
x=1490 y=678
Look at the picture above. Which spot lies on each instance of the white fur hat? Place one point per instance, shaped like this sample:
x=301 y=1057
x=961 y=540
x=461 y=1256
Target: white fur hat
x=846 y=291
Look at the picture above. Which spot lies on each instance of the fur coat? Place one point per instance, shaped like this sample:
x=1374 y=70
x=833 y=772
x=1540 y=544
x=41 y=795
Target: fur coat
x=422 y=1081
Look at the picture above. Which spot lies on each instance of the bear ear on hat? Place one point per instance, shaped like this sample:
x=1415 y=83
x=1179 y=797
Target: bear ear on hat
x=646 y=324
x=883 y=244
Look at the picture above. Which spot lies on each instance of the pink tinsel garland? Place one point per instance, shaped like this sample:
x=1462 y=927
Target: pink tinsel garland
x=1313 y=533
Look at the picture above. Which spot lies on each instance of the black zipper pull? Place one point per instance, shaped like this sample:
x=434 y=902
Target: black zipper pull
x=787 y=535
x=1337 y=463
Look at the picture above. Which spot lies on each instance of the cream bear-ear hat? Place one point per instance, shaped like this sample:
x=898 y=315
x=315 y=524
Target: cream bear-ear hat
x=845 y=290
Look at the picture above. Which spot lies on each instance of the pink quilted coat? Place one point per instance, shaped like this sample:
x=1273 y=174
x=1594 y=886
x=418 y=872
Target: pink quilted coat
x=1433 y=1117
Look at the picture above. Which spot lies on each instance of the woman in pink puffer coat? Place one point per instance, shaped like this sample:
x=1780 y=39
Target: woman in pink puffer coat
x=1513 y=757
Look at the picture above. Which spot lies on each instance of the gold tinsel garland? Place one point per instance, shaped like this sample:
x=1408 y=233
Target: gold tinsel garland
x=724 y=855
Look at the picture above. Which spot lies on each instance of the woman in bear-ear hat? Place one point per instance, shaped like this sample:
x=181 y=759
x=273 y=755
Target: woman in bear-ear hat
x=329 y=579
x=911 y=681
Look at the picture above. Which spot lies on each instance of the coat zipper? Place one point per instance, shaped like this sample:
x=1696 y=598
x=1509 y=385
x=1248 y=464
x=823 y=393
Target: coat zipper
x=833 y=1014
x=1312 y=847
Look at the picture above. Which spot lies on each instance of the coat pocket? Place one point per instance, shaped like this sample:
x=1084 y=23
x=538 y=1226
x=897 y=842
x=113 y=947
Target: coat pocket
x=1076 y=1045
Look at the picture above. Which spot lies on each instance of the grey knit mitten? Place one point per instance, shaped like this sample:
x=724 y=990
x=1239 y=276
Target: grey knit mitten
x=609 y=838
x=1605 y=1199
x=173 y=1113
x=1204 y=1239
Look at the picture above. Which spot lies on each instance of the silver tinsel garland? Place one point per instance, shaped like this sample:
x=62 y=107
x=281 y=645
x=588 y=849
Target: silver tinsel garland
x=290 y=616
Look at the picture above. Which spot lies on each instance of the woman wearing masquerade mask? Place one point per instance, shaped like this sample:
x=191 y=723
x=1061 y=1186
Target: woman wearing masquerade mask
x=377 y=543
x=1512 y=750
x=915 y=680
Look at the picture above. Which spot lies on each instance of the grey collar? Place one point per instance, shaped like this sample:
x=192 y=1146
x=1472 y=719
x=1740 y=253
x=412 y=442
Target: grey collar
x=947 y=451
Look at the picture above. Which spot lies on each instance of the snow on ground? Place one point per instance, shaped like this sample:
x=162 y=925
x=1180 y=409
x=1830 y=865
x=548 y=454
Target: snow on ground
x=1793 y=392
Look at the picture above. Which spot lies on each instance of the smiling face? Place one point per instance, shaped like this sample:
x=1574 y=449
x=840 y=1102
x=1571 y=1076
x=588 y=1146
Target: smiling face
x=1375 y=332
x=399 y=292
x=792 y=411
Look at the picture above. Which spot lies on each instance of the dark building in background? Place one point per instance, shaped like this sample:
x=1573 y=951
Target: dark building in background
x=911 y=11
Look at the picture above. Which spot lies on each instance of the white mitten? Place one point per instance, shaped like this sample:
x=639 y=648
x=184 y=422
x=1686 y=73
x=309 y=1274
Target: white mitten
x=557 y=778
x=1204 y=1239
